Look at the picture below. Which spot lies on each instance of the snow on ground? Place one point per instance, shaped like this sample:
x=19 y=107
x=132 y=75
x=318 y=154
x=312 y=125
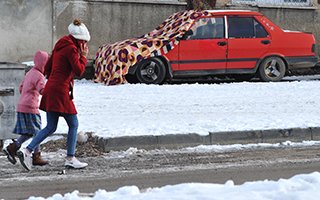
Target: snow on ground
x=236 y=147
x=211 y=148
x=138 y=109
x=299 y=187
x=130 y=110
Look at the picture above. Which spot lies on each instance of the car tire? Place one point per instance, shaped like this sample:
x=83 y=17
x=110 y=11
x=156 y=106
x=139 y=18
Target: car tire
x=272 y=69
x=131 y=78
x=243 y=77
x=151 y=71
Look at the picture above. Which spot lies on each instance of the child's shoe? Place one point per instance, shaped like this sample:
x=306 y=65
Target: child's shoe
x=11 y=152
x=38 y=160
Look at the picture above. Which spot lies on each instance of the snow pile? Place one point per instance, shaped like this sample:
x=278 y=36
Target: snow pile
x=299 y=187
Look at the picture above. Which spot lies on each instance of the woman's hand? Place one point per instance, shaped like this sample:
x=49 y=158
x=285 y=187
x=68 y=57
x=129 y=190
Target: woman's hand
x=84 y=49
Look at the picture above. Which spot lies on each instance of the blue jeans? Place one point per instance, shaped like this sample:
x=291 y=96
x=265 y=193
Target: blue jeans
x=52 y=122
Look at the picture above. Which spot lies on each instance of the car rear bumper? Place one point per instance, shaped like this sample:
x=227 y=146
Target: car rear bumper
x=301 y=62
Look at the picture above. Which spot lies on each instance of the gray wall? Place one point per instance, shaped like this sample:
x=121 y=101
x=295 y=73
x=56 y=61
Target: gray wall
x=29 y=25
x=26 y=25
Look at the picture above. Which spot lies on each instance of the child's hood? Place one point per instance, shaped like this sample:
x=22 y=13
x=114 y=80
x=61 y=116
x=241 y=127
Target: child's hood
x=40 y=59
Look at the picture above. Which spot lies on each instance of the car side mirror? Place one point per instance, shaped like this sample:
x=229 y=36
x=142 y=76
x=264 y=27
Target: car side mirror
x=187 y=34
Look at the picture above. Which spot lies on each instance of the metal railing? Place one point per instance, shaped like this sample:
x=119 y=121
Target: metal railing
x=294 y=3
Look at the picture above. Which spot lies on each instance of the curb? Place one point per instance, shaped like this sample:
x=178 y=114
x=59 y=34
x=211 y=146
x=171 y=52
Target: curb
x=175 y=141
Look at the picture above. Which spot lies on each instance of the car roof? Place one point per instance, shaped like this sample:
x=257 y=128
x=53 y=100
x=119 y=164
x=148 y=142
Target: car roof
x=233 y=12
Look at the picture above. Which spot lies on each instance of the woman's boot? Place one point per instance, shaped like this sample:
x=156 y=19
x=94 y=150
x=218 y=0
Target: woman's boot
x=37 y=160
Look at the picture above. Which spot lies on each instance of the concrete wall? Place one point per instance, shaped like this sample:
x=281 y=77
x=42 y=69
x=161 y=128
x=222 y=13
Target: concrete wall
x=29 y=25
x=26 y=25
x=111 y=21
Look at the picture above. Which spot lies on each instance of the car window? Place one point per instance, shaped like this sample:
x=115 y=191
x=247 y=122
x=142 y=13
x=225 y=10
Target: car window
x=207 y=28
x=240 y=27
x=260 y=32
x=245 y=27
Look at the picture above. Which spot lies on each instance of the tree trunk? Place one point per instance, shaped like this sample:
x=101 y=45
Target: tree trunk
x=201 y=4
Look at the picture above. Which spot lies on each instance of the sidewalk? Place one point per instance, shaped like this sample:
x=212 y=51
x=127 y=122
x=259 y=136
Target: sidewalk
x=175 y=141
x=216 y=138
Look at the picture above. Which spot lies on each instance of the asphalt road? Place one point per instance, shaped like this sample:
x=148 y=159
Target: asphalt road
x=155 y=169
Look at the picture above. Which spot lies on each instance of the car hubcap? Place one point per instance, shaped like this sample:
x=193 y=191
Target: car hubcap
x=149 y=71
x=272 y=69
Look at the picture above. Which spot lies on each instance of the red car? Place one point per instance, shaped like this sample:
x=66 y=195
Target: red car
x=234 y=43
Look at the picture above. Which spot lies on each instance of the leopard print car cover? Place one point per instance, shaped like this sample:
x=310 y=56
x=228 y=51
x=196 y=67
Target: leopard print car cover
x=113 y=61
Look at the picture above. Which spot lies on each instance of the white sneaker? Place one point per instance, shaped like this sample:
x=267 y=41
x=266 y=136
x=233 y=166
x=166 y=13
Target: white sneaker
x=25 y=158
x=74 y=163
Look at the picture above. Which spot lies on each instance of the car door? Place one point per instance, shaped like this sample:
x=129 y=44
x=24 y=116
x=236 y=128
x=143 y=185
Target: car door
x=248 y=41
x=206 y=48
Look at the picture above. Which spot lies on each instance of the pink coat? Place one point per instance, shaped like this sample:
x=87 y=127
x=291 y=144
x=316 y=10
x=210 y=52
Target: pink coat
x=32 y=85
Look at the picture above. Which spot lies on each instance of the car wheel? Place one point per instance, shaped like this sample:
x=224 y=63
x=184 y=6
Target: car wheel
x=151 y=71
x=272 y=69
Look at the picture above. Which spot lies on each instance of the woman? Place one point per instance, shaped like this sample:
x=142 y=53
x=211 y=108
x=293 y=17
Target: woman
x=68 y=58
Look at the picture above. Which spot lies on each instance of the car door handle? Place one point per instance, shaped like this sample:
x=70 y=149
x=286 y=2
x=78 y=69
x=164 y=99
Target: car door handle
x=222 y=43
x=265 y=41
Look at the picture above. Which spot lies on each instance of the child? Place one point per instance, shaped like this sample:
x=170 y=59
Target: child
x=28 y=116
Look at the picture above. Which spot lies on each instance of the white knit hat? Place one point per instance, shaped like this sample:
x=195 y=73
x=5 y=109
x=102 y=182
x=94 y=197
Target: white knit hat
x=79 y=31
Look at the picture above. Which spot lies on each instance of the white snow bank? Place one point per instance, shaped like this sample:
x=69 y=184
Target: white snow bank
x=138 y=109
x=299 y=187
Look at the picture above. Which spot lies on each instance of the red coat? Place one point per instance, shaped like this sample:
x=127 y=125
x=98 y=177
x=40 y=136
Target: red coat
x=63 y=64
